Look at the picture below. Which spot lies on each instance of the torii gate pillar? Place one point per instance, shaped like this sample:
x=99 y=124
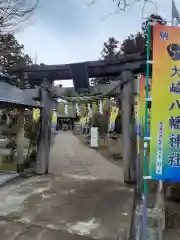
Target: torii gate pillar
x=44 y=138
x=128 y=143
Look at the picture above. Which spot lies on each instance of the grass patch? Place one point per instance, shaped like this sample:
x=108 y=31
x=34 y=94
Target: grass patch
x=6 y=165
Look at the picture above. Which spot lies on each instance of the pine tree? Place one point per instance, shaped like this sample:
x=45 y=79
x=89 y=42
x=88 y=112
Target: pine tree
x=109 y=53
x=12 y=56
x=110 y=50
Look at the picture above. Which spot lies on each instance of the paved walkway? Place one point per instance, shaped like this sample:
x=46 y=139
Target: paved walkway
x=69 y=156
x=82 y=199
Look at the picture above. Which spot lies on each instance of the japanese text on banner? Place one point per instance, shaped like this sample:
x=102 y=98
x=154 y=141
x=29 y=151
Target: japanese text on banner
x=165 y=113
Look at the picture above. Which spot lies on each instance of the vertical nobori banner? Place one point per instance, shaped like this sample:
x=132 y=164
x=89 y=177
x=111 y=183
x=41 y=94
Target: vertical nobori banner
x=142 y=104
x=36 y=114
x=165 y=113
x=112 y=120
x=54 y=119
x=136 y=114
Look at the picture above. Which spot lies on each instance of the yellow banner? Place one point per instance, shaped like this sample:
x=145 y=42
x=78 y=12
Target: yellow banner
x=83 y=120
x=54 y=118
x=94 y=107
x=36 y=114
x=113 y=115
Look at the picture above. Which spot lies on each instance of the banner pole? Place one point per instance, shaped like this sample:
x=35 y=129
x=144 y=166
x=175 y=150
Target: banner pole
x=145 y=195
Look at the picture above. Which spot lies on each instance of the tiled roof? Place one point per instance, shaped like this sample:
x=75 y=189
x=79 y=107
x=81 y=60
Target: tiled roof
x=11 y=94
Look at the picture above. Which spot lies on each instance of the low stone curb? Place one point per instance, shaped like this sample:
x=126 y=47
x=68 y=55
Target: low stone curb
x=9 y=178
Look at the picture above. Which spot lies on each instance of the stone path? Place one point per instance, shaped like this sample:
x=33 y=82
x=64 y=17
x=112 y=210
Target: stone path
x=82 y=198
x=69 y=156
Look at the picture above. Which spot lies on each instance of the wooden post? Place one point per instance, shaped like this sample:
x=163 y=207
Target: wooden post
x=44 y=138
x=20 y=141
x=128 y=144
x=20 y=130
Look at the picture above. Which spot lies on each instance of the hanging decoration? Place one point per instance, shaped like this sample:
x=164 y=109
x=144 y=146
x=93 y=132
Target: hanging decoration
x=66 y=108
x=89 y=110
x=77 y=109
x=100 y=107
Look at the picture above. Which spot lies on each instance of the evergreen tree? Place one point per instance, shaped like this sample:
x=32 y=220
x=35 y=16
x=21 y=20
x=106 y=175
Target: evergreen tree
x=109 y=53
x=12 y=53
x=12 y=56
x=137 y=43
x=110 y=50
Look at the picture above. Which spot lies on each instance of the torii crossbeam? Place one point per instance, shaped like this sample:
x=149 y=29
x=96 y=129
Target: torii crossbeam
x=133 y=62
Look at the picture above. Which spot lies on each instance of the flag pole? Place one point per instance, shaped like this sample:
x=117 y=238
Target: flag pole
x=175 y=15
x=145 y=177
x=172 y=13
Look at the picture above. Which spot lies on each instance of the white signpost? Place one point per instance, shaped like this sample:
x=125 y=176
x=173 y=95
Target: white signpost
x=94 y=137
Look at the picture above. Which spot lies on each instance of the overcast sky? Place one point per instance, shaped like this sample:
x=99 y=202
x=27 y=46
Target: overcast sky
x=65 y=31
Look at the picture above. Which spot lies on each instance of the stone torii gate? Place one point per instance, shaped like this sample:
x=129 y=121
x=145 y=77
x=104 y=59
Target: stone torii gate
x=123 y=69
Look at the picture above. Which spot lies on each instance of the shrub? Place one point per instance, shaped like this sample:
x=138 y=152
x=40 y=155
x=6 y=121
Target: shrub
x=100 y=121
x=10 y=133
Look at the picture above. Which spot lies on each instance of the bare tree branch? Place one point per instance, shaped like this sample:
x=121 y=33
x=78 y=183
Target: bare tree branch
x=91 y=3
x=145 y=2
x=122 y=5
x=15 y=12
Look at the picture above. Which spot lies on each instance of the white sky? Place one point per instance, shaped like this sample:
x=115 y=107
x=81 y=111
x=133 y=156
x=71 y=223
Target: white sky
x=65 y=31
